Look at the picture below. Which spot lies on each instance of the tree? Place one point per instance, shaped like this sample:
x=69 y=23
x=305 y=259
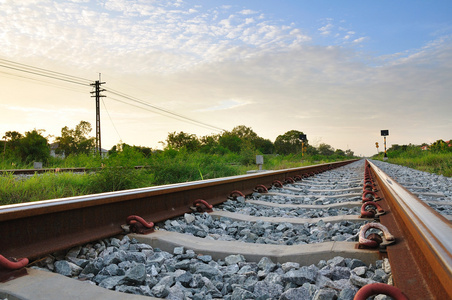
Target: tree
x=244 y=133
x=210 y=144
x=13 y=140
x=231 y=142
x=289 y=142
x=339 y=152
x=439 y=146
x=33 y=147
x=145 y=151
x=238 y=139
x=325 y=149
x=182 y=139
x=264 y=146
x=311 y=150
x=75 y=141
x=349 y=153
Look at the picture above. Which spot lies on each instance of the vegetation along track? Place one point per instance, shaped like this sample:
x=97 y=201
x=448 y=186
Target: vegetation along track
x=302 y=238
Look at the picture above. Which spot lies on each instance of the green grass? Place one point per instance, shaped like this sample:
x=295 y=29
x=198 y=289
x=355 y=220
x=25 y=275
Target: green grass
x=432 y=162
x=42 y=186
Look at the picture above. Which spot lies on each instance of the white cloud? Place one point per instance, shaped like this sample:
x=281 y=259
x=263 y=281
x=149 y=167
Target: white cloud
x=359 y=40
x=248 y=12
x=326 y=30
x=226 y=105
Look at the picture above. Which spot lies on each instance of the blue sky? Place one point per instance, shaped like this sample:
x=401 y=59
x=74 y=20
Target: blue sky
x=388 y=26
x=340 y=71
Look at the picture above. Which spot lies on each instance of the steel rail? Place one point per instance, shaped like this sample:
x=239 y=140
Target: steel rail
x=421 y=259
x=54 y=170
x=35 y=229
x=44 y=170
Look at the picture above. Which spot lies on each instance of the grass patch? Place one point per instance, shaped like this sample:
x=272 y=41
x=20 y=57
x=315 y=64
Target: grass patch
x=42 y=186
x=432 y=162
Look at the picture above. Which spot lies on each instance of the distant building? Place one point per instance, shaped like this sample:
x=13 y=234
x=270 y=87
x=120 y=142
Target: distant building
x=104 y=152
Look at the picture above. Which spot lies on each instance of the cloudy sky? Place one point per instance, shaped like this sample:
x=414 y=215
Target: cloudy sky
x=340 y=71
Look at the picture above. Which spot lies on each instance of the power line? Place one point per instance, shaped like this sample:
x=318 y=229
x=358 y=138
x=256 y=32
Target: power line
x=43 y=72
x=159 y=110
x=168 y=116
x=42 y=81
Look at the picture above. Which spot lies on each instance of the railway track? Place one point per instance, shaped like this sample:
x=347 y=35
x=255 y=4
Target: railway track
x=45 y=170
x=53 y=170
x=301 y=238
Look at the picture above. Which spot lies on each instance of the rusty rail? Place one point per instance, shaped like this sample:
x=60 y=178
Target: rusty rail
x=421 y=259
x=55 y=170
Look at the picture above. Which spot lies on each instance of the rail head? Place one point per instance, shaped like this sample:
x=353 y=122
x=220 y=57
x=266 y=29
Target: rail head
x=431 y=231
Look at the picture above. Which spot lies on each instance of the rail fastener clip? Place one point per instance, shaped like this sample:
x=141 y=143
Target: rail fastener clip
x=139 y=225
x=373 y=240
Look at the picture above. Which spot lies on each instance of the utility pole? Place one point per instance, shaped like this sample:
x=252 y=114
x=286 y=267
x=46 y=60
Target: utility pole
x=97 y=95
x=4 y=147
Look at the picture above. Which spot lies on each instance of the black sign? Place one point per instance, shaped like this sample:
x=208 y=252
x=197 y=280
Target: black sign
x=302 y=137
x=384 y=132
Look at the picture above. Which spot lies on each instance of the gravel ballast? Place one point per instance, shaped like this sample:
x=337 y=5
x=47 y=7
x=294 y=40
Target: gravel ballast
x=225 y=229
x=125 y=265
x=243 y=207
x=435 y=190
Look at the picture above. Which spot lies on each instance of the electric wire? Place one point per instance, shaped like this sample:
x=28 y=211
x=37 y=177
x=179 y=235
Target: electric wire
x=168 y=116
x=168 y=112
x=44 y=72
x=38 y=80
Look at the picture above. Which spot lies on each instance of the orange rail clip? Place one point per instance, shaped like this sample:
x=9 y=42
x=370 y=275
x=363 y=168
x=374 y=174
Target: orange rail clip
x=371 y=213
x=13 y=265
x=202 y=205
x=139 y=225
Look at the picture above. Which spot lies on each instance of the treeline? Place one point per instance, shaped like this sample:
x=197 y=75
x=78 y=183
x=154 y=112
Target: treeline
x=34 y=146
x=185 y=157
x=242 y=140
x=440 y=146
